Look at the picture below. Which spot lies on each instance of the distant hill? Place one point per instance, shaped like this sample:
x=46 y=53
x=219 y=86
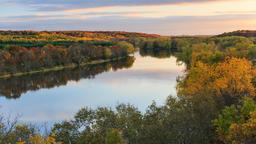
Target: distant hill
x=245 y=33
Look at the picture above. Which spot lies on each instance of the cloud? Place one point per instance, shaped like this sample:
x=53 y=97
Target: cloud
x=168 y=17
x=105 y=13
x=68 y=16
x=173 y=25
x=56 y=5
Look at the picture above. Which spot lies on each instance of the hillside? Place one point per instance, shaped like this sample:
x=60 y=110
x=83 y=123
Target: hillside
x=245 y=33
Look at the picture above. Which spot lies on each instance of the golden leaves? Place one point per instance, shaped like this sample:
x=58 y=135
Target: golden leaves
x=232 y=77
x=243 y=133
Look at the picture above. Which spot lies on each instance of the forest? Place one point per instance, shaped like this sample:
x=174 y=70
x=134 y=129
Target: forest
x=215 y=101
x=26 y=52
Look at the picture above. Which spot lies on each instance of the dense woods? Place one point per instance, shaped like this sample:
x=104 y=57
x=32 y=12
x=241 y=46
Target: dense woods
x=215 y=97
x=20 y=59
x=24 y=52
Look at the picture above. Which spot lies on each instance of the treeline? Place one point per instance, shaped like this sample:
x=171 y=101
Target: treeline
x=181 y=47
x=191 y=49
x=67 y=36
x=244 y=33
x=215 y=49
x=18 y=59
x=26 y=51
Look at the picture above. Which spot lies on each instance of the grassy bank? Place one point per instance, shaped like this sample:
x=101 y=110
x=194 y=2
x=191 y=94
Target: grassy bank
x=58 y=68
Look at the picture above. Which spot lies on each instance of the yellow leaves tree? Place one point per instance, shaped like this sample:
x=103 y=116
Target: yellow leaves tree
x=233 y=77
x=243 y=133
x=196 y=80
x=38 y=139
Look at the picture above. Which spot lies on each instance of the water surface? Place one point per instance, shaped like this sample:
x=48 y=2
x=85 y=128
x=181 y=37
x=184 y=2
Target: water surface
x=56 y=96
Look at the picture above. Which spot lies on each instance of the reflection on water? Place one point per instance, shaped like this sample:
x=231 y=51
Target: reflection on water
x=14 y=87
x=56 y=96
x=154 y=53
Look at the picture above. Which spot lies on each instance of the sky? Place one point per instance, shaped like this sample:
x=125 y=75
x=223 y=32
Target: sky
x=165 y=17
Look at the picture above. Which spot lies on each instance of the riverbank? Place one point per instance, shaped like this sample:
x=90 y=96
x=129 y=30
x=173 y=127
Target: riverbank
x=58 y=68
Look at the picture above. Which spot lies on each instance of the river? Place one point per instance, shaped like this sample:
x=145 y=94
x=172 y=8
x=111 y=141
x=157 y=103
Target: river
x=56 y=96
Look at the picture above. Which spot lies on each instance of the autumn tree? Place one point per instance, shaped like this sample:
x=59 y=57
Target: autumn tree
x=229 y=79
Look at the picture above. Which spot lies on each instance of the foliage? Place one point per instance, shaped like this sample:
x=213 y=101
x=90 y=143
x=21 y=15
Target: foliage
x=214 y=49
x=114 y=137
x=178 y=121
x=20 y=59
x=245 y=33
x=13 y=132
x=229 y=79
x=63 y=38
x=127 y=46
x=236 y=123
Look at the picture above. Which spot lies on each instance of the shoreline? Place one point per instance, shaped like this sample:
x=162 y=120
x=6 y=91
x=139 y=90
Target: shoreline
x=58 y=68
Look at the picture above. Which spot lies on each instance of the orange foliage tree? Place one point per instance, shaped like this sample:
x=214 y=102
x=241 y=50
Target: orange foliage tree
x=231 y=78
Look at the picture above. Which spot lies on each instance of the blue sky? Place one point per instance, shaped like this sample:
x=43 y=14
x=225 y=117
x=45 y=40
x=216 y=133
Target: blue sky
x=166 y=17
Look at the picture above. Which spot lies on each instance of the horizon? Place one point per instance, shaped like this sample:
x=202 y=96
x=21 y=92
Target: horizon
x=164 y=17
x=98 y=31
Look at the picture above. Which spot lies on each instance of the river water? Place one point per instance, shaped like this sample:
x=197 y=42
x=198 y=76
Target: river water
x=56 y=96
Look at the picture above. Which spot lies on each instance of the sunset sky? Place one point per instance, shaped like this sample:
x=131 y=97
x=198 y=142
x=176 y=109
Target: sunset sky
x=166 y=17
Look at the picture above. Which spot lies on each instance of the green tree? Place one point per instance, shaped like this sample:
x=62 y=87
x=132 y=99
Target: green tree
x=126 y=46
x=236 y=123
x=107 y=53
x=113 y=136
